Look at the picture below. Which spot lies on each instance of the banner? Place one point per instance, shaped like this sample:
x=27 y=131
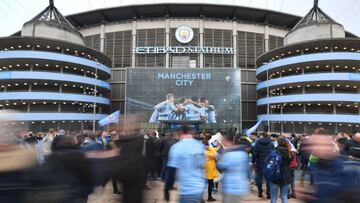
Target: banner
x=184 y=94
x=253 y=129
x=112 y=118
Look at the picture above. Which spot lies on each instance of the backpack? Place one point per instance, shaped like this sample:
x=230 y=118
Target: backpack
x=272 y=167
x=293 y=163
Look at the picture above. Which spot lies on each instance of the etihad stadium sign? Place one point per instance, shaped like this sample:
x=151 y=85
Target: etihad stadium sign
x=183 y=34
x=184 y=50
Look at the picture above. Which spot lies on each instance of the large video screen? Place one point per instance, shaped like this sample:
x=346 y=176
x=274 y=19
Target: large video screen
x=184 y=94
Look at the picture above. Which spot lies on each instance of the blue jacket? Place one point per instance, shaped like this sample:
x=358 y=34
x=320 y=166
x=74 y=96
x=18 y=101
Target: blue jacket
x=332 y=177
x=260 y=151
x=234 y=166
x=102 y=142
x=91 y=145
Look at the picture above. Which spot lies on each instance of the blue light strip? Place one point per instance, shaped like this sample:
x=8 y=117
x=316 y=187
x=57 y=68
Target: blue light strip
x=45 y=96
x=51 y=56
x=330 y=56
x=50 y=116
x=316 y=77
x=329 y=118
x=310 y=98
x=37 y=75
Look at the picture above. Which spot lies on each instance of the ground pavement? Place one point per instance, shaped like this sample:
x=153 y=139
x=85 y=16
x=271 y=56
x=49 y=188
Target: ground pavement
x=155 y=195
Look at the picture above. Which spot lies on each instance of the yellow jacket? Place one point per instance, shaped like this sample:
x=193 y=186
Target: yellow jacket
x=210 y=164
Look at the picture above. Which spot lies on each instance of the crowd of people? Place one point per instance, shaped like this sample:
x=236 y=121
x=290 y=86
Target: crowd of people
x=59 y=166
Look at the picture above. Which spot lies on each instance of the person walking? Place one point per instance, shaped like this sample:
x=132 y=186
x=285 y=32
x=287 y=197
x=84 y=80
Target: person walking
x=70 y=172
x=211 y=171
x=186 y=160
x=234 y=166
x=104 y=139
x=284 y=150
x=352 y=146
x=336 y=177
x=166 y=142
x=149 y=152
x=114 y=144
x=46 y=143
x=90 y=143
x=304 y=158
x=260 y=151
x=293 y=166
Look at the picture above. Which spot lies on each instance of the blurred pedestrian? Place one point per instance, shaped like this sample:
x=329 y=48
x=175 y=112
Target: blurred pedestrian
x=274 y=137
x=90 y=143
x=294 y=140
x=304 y=157
x=104 y=139
x=149 y=152
x=234 y=166
x=166 y=142
x=15 y=169
x=39 y=136
x=57 y=137
x=341 y=143
x=31 y=138
x=186 y=159
x=70 y=172
x=114 y=144
x=129 y=167
x=46 y=143
x=352 y=146
x=293 y=166
x=333 y=176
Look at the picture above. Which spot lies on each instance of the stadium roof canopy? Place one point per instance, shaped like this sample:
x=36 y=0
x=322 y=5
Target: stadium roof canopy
x=185 y=10
x=178 y=10
x=314 y=16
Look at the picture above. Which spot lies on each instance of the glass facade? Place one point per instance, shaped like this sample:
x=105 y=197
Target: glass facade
x=249 y=46
x=118 y=48
x=93 y=42
x=218 y=38
x=150 y=38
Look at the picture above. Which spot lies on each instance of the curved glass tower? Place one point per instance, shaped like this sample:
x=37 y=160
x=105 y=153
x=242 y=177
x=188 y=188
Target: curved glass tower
x=50 y=79
x=312 y=81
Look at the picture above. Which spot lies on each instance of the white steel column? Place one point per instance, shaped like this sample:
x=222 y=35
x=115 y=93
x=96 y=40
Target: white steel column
x=167 y=41
x=133 y=42
x=235 y=45
x=102 y=38
x=201 y=40
x=266 y=38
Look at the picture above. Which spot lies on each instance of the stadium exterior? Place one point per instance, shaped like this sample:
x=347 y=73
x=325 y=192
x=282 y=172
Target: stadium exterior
x=312 y=81
x=50 y=79
x=119 y=32
x=145 y=36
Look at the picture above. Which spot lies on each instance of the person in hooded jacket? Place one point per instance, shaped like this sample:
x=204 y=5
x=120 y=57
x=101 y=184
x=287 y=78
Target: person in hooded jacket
x=260 y=151
x=284 y=149
x=17 y=167
x=211 y=171
x=166 y=142
x=69 y=171
x=352 y=146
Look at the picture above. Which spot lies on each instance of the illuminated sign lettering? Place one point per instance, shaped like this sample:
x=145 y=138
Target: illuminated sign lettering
x=184 y=50
x=184 y=79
